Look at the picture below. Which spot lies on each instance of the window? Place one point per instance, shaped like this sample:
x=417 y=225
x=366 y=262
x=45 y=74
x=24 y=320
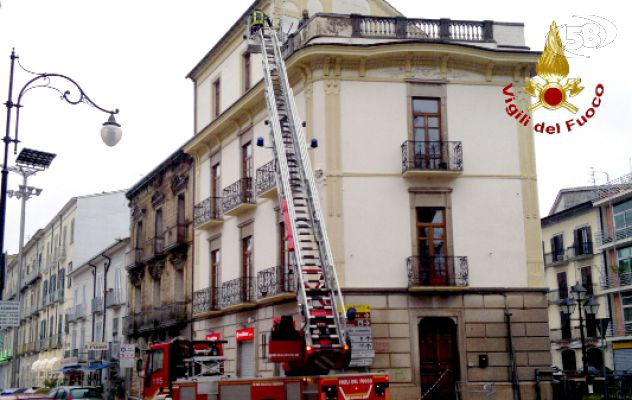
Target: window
x=72 y=231
x=427 y=132
x=557 y=248
x=44 y=289
x=595 y=358
x=583 y=241
x=53 y=285
x=626 y=301
x=623 y=219
x=624 y=257
x=217 y=97
x=61 y=277
x=565 y=326
x=156 y=361
x=569 y=362
x=64 y=236
x=139 y=235
x=158 y=232
x=180 y=211
x=432 y=246
x=215 y=264
x=156 y=293
x=562 y=285
x=216 y=188
x=246 y=70
x=587 y=282
x=51 y=326
x=247 y=267
x=284 y=252
x=591 y=325
x=246 y=160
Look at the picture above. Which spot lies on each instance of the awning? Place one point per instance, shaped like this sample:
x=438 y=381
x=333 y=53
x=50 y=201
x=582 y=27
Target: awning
x=70 y=368
x=98 y=365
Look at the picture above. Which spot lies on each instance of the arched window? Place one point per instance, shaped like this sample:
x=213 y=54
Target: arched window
x=569 y=362
x=595 y=358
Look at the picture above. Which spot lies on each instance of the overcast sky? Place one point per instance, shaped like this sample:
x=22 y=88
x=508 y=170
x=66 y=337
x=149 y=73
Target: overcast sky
x=134 y=55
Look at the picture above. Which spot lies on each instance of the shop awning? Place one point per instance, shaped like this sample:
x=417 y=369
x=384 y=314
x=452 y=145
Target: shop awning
x=98 y=365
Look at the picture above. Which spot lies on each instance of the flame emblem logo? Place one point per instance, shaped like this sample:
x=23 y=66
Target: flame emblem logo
x=552 y=69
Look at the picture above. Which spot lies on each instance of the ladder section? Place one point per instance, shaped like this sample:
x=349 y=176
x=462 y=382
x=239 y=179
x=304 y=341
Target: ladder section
x=319 y=293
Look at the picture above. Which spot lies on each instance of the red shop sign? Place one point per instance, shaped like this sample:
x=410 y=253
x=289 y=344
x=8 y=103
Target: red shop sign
x=213 y=337
x=243 y=335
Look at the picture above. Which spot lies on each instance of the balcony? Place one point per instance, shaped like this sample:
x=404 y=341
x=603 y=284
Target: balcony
x=53 y=297
x=54 y=342
x=238 y=197
x=135 y=258
x=555 y=258
x=60 y=295
x=615 y=280
x=206 y=300
x=208 y=213
x=276 y=283
x=43 y=344
x=131 y=325
x=175 y=236
x=580 y=250
x=148 y=320
x=421 y=158
x=153 y=248
x=78 y=312
x=31 y=276
x=621 y=237
x=113 y=298
x=437 y=273
x=97 y=305
x=172 y=314
x=238 y=293
x=265 y=183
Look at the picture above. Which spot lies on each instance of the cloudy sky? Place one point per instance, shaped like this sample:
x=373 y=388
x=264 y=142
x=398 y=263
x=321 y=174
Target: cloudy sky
x=134 y=55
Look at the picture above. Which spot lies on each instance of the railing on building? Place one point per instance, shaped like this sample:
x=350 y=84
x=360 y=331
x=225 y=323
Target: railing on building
x=97 y=305
x=206 y=300
x=580 y=250
x=113 y=298
x=237 y=194
x=135 y=257
x=615 y=279
x=175 y=236
x=266 y=178
x=207 y=211
x=79 y=312
x=130 y=325
x=153 y=248
x=437 y=271
x=53 y=296
x=555 y=258
x=172 y=314
x=43 y=343
x=605 y=238
x=434 y=156
x=237 y=291
x=149 y=320
x=274 y=281
x=31 y=276
x=359 y=26
x=55 y=341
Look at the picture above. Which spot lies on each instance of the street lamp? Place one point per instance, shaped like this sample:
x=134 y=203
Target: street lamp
x=590 y=306
x=110 y=132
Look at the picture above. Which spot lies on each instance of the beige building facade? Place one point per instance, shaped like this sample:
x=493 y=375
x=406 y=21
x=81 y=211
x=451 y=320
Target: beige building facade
x=428 y=188
x=571 y=256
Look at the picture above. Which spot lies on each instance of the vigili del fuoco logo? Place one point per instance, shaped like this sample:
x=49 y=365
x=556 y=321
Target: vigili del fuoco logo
x=552 y=90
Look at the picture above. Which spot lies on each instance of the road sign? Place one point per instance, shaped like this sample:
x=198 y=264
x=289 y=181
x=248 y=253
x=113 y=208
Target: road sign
x=127 y=355
x=97 y=346
x=9 y=314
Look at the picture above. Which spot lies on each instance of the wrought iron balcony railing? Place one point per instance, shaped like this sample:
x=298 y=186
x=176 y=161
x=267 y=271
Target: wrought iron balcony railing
x=436 y=156
x=136 y=257
x=274 y=281
x=437 y=271
x=266 y=178
x=237 y=291
x=113 y=298
x=149 y=320
x=237 y=194
x=97 y=305
x=172 y=314
x=206 y=300
x=130 y=324
x=207 y=211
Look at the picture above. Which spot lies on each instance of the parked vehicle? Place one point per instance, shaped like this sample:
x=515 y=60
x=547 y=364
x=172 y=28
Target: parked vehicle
x=75 y=392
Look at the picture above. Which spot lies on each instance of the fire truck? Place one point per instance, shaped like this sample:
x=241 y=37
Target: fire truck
x=319 y=343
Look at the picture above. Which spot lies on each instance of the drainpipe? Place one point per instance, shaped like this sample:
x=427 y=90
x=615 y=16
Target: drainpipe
x=94 y=292
x=192 y=251
x=515 y=383
x=105 y=285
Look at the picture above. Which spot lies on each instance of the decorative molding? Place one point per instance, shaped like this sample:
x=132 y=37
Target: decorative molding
x=138 y=213
x=178 y=259
x=157 y=199
x=332 y=87
x=136 y=275
x=156 y=268
x=178 y=182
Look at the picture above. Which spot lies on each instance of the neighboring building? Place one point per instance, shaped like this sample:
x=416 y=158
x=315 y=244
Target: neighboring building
x=99 y=303
x=159 y=263
x=614 y=241
x=10 y=291
x=82 y=227
x=570 y=257
x=428 y=187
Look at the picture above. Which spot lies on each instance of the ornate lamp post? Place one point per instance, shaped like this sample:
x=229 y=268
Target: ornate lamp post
x=590 y=306
x=110 y=132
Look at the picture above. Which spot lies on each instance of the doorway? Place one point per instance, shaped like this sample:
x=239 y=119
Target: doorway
x=438 y=357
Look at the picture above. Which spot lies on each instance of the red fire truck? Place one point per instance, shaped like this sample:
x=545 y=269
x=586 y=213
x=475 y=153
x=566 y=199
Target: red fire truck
x=185 y=370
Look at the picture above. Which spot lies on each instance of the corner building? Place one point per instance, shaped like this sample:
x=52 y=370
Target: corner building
x=428 y=188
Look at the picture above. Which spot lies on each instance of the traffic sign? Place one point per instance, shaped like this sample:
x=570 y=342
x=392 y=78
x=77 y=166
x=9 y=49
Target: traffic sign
x=127 y=355
x=9 y=314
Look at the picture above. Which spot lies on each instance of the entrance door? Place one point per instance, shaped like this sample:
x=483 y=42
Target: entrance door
x=438 y=358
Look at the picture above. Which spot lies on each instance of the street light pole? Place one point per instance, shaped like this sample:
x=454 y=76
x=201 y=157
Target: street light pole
x=24 y=194
x=583 y=340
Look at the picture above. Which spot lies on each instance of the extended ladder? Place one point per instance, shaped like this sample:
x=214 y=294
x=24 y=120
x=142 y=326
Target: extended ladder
x=319 y=296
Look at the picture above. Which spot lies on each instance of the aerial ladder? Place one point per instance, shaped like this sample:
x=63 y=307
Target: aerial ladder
x=319 y=296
